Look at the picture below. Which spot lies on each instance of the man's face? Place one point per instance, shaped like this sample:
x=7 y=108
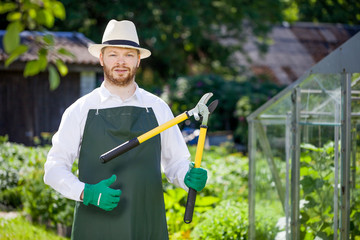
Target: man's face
x=120 y=65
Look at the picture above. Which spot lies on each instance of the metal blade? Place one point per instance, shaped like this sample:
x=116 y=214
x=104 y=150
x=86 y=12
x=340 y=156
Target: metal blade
x=205 y=98
x=200 y=108
x=212 y=106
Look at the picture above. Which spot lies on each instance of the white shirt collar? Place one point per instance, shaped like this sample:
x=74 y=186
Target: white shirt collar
x=105 y=94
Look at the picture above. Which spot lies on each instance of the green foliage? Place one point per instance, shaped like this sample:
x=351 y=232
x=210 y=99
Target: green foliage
x=183 y=36
x=41 y=202
x=34 y=15
x=266 y=218
x=317 y=182
x=236 y=99
x=22 y=185
x=228 y=220
x=265 y=185
x=225 y=195
x=317 y=185
x=331 y=11
x=20 y=229
x=175 y=202
x=228 y=174
x=227 y=179
x=12 y=157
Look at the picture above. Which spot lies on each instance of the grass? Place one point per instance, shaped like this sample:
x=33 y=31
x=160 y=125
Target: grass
x=20 y=229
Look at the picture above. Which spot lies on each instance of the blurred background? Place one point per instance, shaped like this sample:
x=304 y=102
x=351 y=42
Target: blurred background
x=243 y=51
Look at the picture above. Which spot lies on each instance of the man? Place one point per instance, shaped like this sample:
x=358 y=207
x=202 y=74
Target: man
x=121 y=199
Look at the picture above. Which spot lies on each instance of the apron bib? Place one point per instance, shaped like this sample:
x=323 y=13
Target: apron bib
x=140 y=214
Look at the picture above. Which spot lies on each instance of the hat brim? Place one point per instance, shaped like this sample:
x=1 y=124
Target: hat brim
x=95 y=49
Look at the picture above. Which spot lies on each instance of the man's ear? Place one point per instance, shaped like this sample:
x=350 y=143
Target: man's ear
x=138 y=63
x=101 y=59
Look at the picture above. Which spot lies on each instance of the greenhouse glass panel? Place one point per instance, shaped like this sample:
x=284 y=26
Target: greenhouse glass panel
x=321 y=99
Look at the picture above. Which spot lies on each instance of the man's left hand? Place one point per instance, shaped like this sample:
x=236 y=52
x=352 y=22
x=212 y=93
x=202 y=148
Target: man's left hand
x=195 y=178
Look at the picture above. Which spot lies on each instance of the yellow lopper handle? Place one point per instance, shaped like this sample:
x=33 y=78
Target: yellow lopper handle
x=190 y=202
x=200 y=146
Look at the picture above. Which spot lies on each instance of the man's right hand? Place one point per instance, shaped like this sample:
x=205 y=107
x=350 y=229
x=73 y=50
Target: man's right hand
x=101 y=195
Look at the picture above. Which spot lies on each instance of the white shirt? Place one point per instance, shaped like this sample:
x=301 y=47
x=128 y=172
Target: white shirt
x=66 y=142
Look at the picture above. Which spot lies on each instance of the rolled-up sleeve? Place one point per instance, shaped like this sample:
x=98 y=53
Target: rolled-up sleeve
x=60 y=159
x=175 y=156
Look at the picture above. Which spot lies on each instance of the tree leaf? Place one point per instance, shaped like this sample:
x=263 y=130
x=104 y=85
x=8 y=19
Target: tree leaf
x=65 y=52
x=309 y=146
x=13 y=16
x=54 y=78
x=42 y=61
x=58 y=10
x=206 y=201
x=7 y=7
x=11 y=38
x=308 y=184
x=15 y=54
x=32 y=68
x=32 y=13
x=61 y=67
x=44 y=17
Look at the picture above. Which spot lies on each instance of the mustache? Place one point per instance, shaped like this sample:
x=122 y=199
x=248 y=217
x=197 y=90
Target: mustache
x=121 y=67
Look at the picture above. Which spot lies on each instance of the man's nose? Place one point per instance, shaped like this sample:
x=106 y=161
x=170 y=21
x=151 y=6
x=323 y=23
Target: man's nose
x=120 y=60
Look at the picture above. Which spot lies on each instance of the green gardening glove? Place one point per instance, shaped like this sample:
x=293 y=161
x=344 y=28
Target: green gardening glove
x=195 y=178
x=101 y=195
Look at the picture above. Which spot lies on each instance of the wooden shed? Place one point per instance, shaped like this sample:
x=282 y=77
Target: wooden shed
x=28 y=108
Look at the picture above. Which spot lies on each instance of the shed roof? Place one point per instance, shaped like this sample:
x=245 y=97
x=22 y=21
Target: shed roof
x=295 y=48
x=74 y=42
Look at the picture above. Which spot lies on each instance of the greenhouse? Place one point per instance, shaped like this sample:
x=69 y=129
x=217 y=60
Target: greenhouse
x=303 y=148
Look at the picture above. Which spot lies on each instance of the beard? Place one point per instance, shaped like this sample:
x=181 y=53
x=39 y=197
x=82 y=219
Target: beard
x=120 y=80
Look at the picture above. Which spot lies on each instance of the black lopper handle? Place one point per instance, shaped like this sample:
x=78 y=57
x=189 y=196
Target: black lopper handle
x=190 y=204
x=117 y=151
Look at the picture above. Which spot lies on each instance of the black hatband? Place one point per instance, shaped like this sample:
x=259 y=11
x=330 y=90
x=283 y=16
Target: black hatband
x=122 y=42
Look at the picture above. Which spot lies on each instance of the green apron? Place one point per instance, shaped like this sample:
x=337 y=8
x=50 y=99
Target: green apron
x=140 y=214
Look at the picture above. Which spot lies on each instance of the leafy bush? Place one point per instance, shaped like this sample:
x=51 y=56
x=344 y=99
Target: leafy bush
x=22 y=185
x=228 y=174
x=227 y=179
x=175 y=202
x=228 y=220
x=317 y=182
x=12 y=158
x=266 y=220
x=41 y=202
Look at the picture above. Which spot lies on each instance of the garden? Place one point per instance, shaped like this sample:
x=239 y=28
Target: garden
x=221 y=210
x=220 y=213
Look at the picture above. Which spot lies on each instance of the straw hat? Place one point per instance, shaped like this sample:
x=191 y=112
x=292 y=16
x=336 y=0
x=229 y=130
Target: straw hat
x=119 y=34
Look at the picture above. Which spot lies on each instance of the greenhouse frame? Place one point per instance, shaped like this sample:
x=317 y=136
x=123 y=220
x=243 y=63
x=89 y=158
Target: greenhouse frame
x=303 y=152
